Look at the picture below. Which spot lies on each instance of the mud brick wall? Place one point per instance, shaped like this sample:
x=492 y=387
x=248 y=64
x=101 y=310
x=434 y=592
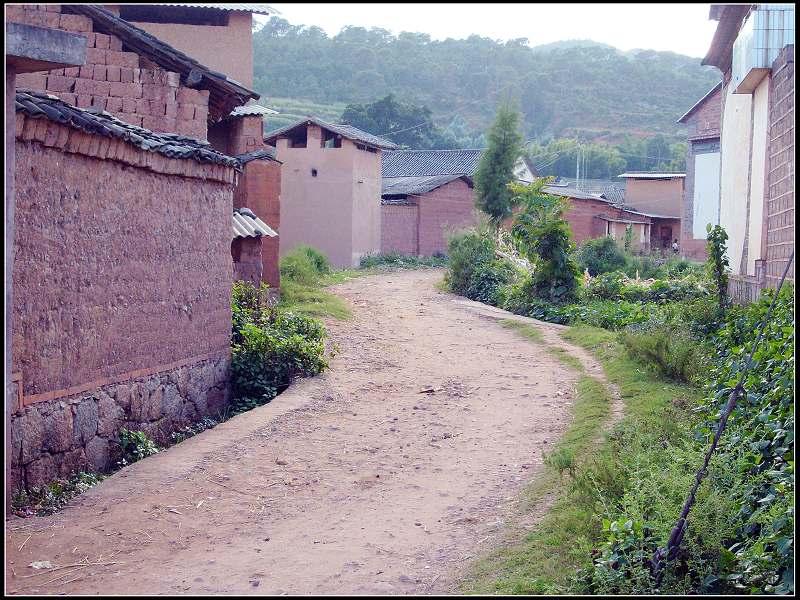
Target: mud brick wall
x=779 y=209
x=399 y=229
x=128 y=86
x=122 y=273
x=442 y=211
x=259 y=190
x=247 y=260
x=582 y=218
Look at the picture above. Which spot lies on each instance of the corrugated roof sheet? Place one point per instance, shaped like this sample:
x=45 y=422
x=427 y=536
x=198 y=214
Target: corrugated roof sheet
x=247 y=224
x=37 y=105
x=348 y=131
x=251 y=109
x=424 y=163
x=259 y=9
x=567 y=192
x=397 y=186
x=224 y=93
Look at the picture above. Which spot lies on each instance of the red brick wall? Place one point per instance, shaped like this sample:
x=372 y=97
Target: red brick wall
x=259 y=190
x=582 y=216
x=705 y=121
x=122 y=83
x=442 y=211
x=247 y=260
x=117 y=268
x=779 y=210
x=399 y=228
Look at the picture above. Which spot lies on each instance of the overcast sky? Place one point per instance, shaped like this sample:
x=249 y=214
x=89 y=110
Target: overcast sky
x=681 y=28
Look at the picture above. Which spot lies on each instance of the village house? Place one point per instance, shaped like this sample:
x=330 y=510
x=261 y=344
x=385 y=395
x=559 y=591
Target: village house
x=658 y=196
x=701 y=186
x=753 y=47
x=123 y=232
x=428 y=194
x=330 y=189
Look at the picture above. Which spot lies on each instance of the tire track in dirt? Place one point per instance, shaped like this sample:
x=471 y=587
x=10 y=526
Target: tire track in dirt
x=385 y=475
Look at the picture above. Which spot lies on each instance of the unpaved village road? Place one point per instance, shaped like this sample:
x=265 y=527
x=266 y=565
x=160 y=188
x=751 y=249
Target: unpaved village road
x=357 y=481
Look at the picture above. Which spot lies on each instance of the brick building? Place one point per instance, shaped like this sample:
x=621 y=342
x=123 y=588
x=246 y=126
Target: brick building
x=658 y=196
x=246 y=248
x=753 y=47
x=330 y=188
x=701 y=186
x=428 y=194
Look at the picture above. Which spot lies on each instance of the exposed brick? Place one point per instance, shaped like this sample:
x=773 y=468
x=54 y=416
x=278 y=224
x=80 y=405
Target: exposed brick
x=72 y=72
x=57 y=83
x=86 y=71
x=14 y=13
x=84 y=100
x=99 y=102
x=96 y=56
x=113 y=73
x=101 y=40
x=32 y=81
x=77 y=23
x=114 y=105
x=99 y=73
x=171 y=110
x=129 y=105
x=68 y=98
x=126 y=75
x=191 y=96
x=33 y=17
x=173 y=79
x=125 y=90
x=122 y=59
x=114 y=43
x=52 y=20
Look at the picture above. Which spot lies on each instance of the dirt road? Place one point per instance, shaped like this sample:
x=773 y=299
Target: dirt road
x=387 y=474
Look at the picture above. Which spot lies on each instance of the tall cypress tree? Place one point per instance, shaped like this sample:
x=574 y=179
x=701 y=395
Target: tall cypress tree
x=496 y=168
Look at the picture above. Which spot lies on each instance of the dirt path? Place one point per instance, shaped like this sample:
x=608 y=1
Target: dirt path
x=357 y=481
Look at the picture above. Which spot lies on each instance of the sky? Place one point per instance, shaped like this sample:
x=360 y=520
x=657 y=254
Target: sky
x=682 y=28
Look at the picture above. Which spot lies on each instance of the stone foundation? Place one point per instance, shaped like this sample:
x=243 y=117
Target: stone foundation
x=58 y=437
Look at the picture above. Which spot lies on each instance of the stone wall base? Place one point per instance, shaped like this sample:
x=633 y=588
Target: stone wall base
x=59 y=437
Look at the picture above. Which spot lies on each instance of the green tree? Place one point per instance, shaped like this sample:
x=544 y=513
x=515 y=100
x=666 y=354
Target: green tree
x=496 y=168
x=543 y=236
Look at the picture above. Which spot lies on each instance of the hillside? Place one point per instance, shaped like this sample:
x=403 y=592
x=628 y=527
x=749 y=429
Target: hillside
x=566 y=89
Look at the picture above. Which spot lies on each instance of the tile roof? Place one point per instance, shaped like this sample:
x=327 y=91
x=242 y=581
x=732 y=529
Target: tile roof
x=37 y=105
x=422 y=163
x=265 y=153
x=700 y=102
x=259 y=9
x=247 y=224
x=403 y=186
x=225 y=93
x=646 y=175
x=348 y=131
x=566 y=192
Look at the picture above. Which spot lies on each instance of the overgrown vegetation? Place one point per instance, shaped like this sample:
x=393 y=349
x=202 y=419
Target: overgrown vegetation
x=304 y=273
x=396 y=260
x=47 y=499
x=134 y=446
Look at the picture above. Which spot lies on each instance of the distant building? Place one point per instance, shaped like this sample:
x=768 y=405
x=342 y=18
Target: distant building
x=701 y=186
x=658 y=196
x=330 y=188
x=753 y=47
x=427 y=195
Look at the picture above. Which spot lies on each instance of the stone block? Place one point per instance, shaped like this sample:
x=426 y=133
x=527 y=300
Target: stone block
x=58 y=428
x=85 y=421
x=110 y=416
x=31 y=431
x=97 y=453
x=41 y=471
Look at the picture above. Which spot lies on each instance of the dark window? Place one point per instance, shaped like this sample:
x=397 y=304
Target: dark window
x=330 y=140
x=298 y=138
x=313 y=172
x=174 y=14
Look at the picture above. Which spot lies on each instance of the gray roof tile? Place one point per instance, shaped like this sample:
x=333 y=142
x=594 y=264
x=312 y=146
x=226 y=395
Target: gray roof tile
x=348 y=131
x=423 y=163
x=402 y=186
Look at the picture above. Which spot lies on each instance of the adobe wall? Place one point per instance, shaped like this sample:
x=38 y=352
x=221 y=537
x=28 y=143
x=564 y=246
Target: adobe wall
x=122 y=295
x=779 y=209
x=582 y=218
x=443 y=211
x=366 y=199
x=247 y=260
x=399 y=228
x=228 y=49
x=662 y=197
x=259 y=190
x=128 y=86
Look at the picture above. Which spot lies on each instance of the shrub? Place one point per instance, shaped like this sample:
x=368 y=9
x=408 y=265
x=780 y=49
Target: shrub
x=600 y=255
x=474 y=269
x=135 y=445
x=717 y=248
x=304 y=265
x=402 y=261
x=645 y=267
x=672 y=351
x=271 y=355
x=606 y=286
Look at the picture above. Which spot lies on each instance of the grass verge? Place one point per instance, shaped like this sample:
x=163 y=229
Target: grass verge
x=543 y=560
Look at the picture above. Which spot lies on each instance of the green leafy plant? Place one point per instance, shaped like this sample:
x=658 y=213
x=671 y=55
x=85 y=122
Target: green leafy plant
x=135 y=445
x=475 y=270
x=543 y=236
x=717 y=249
x=600 y=255
x=402 y=261
x=628 y=244
x=47 y=499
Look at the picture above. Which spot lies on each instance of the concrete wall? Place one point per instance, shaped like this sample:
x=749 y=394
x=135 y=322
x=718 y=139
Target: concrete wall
x=116 y=81
x=735 y=147
x=246 y=254
x=114 y=283
x=399 y=228
x=228 y=50
x=662 y=197
x=337 y=210
x=758 y=159
x=779 y=212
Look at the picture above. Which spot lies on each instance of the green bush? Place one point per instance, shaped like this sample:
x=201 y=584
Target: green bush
x=304 y=265
x=606 y=286
x=673 y=351
x=601 y=255
x=646 y=267
x=135 y=445
x=270 y=356
x=402 y=261
x=474 y=269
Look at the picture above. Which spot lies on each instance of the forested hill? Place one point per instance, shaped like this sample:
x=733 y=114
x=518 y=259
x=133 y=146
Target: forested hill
x=580 y=89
